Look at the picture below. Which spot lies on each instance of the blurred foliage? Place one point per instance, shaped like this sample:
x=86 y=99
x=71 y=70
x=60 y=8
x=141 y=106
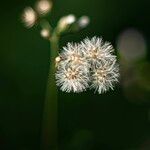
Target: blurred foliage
x=86 y=121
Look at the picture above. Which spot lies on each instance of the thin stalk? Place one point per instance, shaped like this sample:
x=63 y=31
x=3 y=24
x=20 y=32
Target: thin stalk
x=50 y=116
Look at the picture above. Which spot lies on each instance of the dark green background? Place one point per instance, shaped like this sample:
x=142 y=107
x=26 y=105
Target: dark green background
x=87 y=121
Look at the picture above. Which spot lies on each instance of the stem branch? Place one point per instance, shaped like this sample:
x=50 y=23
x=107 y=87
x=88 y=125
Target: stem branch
x=50 y=128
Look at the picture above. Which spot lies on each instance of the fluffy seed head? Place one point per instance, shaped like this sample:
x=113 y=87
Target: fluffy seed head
x=74 y=55
x=29 y=17
x=96 y=50
x=44 y=6
x=104 y=75
x=72 y=78
x=83 y=21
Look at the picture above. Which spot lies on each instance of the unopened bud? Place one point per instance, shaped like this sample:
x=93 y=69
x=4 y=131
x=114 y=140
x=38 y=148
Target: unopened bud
x=57 y=60
x=43 y=6
x=45 y=33
x=83 y=21
x=65 y=21
x=29 y=17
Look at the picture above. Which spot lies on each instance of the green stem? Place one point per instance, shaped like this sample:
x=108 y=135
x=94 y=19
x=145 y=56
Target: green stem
x=50 y=128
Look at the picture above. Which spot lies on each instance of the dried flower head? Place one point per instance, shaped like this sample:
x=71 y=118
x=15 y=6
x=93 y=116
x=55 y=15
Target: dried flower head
x=104 y=75
x=45 y=33
x=44 y=6
x=72 y=78
x=83 y=21
x=29 y=17
x=96 y=50
x=65 y=21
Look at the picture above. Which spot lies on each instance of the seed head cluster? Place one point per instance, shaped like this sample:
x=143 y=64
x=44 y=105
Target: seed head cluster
x=90 y=64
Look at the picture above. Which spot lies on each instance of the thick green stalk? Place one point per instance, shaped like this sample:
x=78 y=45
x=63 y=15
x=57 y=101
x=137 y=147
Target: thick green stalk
x=50 y=116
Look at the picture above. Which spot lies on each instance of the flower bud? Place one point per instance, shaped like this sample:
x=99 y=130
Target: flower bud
x=57 y=61
x=83 y=21
x=43 y=6
x=45 y=33
x=65 y=21
x=29 y=17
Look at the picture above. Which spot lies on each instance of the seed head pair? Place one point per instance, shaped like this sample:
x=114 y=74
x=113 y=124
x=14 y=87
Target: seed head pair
x=30 y=15
x=90 y=64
